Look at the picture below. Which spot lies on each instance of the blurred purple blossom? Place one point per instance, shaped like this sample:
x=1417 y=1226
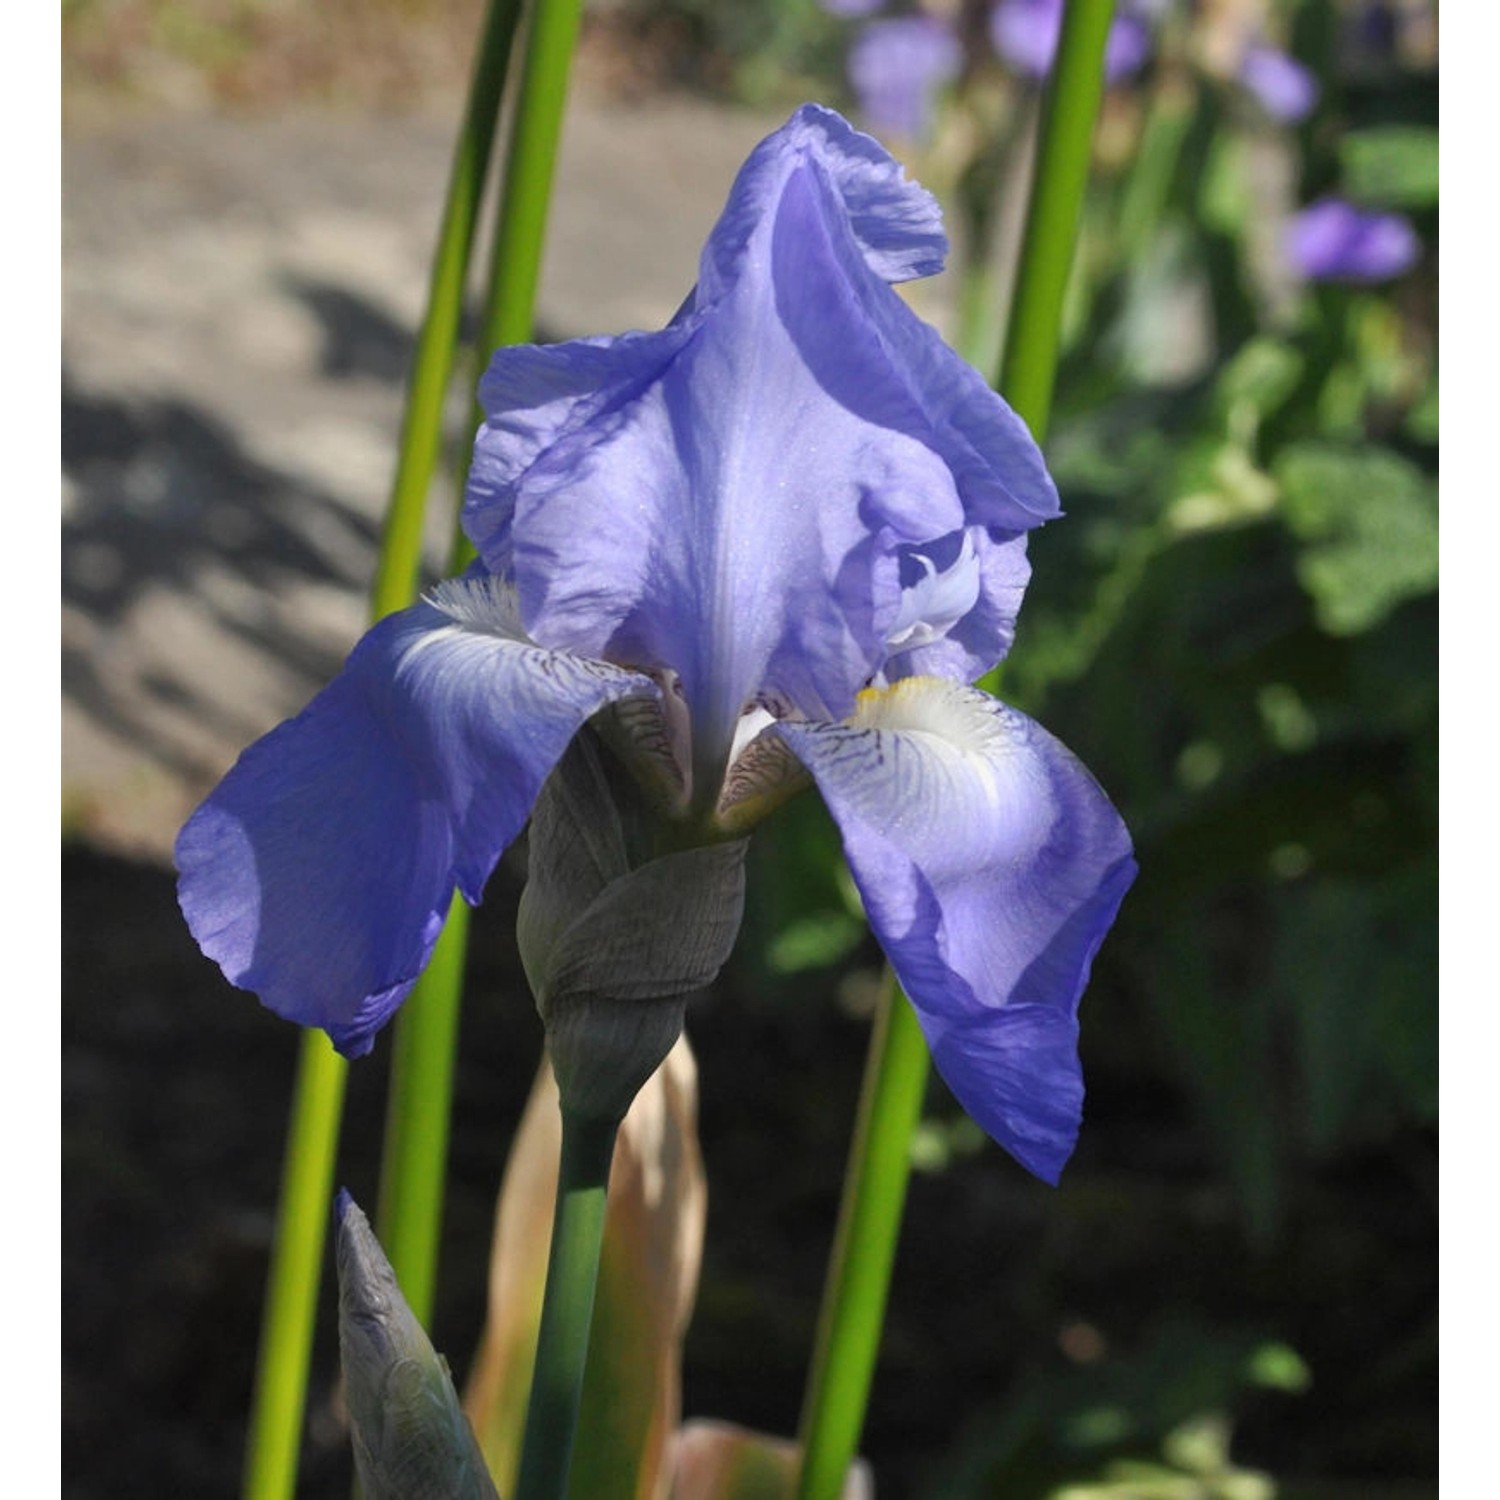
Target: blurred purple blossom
x=1284 y=88
x=1334 y=241
x=896 y=68
x=1025 y=33
x=851 y=9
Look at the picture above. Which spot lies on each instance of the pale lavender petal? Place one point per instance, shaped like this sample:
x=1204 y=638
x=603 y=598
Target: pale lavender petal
x=968 y=647
x=897 y=223
x=319 y=871
x=735 y=514
x=991 y=866
x=1284 y=88
x=1334 y=241
x=897 y=68
x=851 y=9
x=548 y=404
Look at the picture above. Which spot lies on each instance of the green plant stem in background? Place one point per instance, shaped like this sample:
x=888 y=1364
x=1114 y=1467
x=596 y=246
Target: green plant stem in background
x=275 y=1438
x=526 y=192
x=414 y=1162
x=864 y=1249
x=567 y=1308
x=525 y=196
x=1069 y=112
x=417 y=1131
x=854 y=1299
x=399 y=570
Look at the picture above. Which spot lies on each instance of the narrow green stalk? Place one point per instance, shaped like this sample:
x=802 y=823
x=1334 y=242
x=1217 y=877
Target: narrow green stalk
x=277 y=1407
x=525 y=196
x=275 y=1438
x=854 y=1298
x=1062 y=167
x=398 y=571
x=567 y=1308
x=864 y=1248
x=526 y=192
x=414 y=1163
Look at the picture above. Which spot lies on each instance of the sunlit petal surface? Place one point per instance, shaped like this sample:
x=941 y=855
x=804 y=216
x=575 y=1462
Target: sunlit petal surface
x=991 y=865
x=320 y=869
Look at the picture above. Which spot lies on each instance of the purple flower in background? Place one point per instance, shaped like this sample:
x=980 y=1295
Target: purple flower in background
x=851 y=10
x=897 y=66
x=1025 y=34
x=773 y=542
x=1334 y=241
x=1284 y=88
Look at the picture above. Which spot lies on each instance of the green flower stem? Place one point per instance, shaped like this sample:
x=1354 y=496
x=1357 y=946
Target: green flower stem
x=525 y=196
x=420 y=1123
x=527 y=190
x=399 y=569
x=296 y=1267
x=1069 y=112
x=414 y=1162
x=864 y=1249
x=854 y=1298
x=567 y=1308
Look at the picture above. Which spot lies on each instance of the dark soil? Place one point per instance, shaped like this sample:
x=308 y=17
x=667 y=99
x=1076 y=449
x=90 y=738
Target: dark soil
x=1014 y=1306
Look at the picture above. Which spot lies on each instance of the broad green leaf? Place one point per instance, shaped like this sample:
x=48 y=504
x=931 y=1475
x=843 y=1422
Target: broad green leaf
x=1258 y=380
x=718 y=1461
x=648 y=1276
x=1367 y=520
x=1392 y=166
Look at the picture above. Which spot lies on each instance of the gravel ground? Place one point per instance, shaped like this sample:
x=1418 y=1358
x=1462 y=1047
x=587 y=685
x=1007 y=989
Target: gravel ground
x=240 y=298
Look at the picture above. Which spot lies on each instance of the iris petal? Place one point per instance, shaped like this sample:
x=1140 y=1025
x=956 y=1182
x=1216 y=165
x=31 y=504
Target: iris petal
x=319 y=871
x=991 y=865
x=896 y=222
x=726 y=499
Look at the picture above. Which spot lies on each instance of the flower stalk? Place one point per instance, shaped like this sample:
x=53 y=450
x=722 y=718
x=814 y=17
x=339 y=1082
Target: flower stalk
x=864 y=1248
x=858 y=1284
x=296 y=1268
x=588 y=1145
x=1028 y=367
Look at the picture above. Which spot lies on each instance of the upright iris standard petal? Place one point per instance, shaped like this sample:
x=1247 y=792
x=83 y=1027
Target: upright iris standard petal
x=994 y=566
x=729 y=500
x=991 y=865
x=319 y=871
x=896 y=222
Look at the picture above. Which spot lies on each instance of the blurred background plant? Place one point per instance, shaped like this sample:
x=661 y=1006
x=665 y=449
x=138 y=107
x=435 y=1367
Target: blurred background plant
x=1235 y=628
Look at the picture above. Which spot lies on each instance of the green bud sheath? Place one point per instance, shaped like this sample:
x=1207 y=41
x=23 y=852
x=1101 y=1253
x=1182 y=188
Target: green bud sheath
x=614 y=934
x=411 y=1439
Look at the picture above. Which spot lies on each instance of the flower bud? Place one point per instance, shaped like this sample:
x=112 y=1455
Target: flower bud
x=411 y=1439
x=614 y=935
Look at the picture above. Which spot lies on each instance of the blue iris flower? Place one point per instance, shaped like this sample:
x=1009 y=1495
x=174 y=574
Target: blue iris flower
x=774 y=542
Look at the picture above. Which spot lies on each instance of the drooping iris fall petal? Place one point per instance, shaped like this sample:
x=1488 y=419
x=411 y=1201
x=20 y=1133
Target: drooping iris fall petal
x=319 y=871
x=991 y=865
